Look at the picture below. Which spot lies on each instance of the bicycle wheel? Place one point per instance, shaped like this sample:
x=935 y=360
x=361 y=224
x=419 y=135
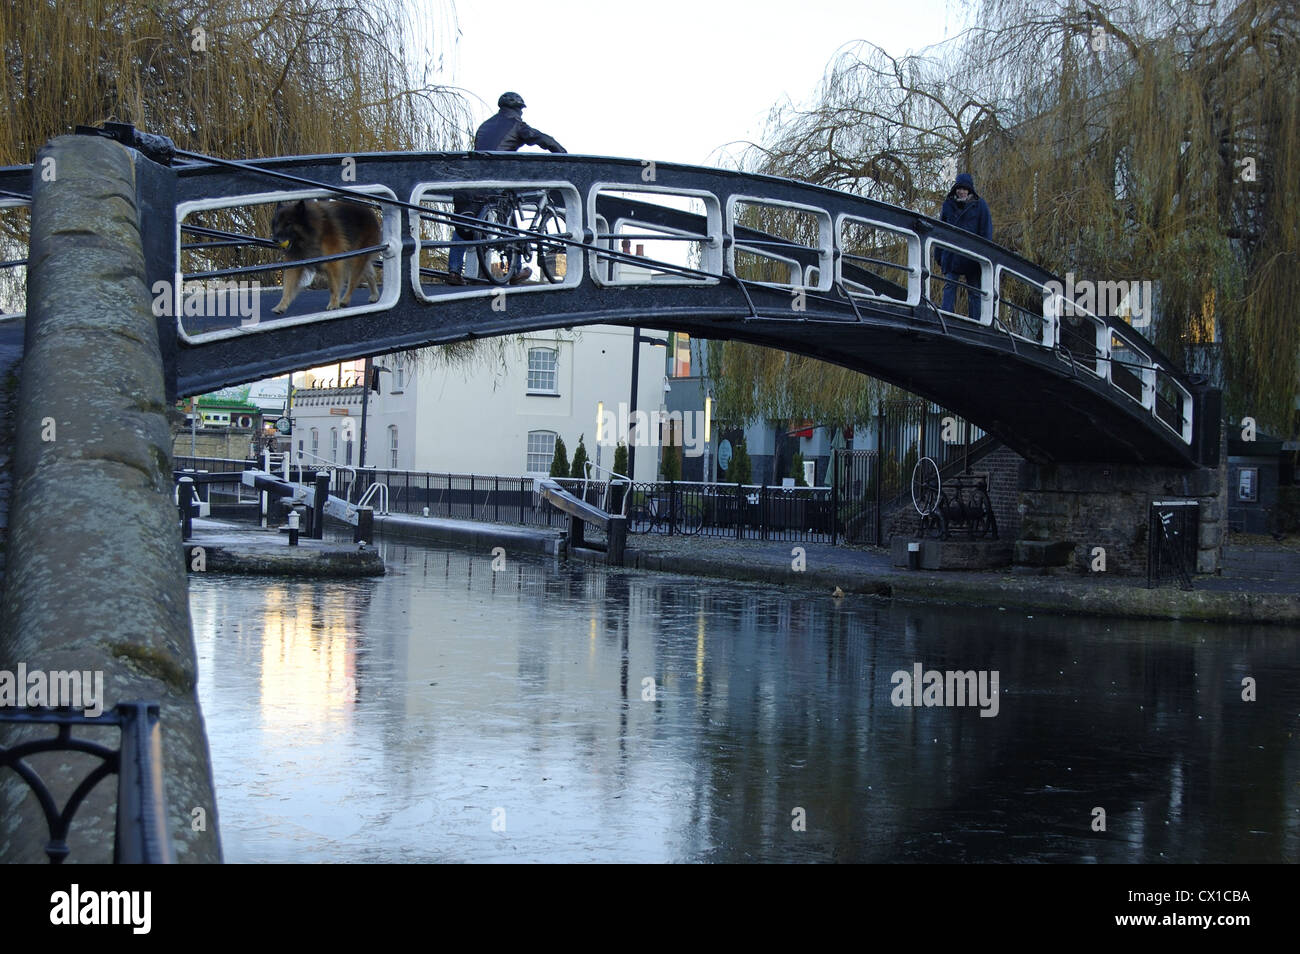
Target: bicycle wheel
x=552 y=257
x=638 y=520
x=499 y=260
x=988 y=522
x=926 y=487
x=692 y=518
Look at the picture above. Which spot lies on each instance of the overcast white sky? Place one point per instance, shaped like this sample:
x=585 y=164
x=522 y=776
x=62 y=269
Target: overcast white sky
x=670 y=80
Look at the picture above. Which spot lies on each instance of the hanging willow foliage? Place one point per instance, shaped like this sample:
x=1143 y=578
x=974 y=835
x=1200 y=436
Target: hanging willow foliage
x=230 y=78
x=1121 y=141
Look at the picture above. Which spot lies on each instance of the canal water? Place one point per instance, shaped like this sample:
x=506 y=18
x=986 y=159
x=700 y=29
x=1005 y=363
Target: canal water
x=552 y=712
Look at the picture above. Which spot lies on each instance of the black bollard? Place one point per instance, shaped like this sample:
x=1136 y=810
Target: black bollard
x=185 y=503
x=293 y=528
x=617 y=541
x=318 y=507
x=365 y=528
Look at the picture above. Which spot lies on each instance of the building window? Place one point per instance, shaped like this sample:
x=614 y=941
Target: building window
x=315 y=442
x=541 y=451
x=392 y=446
x=347 y=449
x=334 y=445
x=542 y=377
x=399 y=374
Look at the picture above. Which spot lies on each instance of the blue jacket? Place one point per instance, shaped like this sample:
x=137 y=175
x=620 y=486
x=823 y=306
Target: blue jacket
x=973 y=216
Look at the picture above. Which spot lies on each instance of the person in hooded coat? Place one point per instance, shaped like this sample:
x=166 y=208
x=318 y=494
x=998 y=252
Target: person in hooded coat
x=966 y=210
x=504 y=132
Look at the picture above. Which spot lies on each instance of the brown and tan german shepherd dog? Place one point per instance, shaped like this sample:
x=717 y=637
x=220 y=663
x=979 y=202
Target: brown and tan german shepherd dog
x=310 y=228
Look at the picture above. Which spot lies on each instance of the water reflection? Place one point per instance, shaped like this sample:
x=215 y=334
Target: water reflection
x=603 y=715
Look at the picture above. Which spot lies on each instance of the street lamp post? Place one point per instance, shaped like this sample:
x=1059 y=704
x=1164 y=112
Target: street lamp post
x=365 y=406
x=636 y=374
x=708 y=421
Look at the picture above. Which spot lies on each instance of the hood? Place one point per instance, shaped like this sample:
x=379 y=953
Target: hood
x=964 y=181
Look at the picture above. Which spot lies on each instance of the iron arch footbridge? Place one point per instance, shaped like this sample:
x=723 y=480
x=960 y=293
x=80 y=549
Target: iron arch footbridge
x=714 y=253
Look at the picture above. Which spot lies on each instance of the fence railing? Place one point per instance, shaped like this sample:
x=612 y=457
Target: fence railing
x=215 y=465
x=675 y=507
x=845 y=513
x=740 y=511
x=141 y=830
x=492 y=498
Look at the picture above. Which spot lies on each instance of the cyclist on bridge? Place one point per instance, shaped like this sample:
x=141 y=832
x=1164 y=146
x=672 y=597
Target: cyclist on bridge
x=504 y=132
x=966 y=210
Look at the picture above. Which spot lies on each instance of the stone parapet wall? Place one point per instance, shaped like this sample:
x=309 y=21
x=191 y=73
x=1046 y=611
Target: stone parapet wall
x=94 y=580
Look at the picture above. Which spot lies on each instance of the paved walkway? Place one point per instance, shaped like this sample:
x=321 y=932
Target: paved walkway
x=1261 y=585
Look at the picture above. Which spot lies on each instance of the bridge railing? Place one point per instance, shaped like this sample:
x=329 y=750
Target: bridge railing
x=15 y=206
x=739 y=241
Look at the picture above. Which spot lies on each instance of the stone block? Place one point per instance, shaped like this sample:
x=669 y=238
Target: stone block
x=1210 y=536
x=1043 y=552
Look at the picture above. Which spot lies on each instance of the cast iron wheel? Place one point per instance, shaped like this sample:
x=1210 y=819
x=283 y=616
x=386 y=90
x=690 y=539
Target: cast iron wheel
x=926 y=486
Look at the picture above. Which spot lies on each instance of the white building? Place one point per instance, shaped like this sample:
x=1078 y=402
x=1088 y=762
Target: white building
x=485 y=416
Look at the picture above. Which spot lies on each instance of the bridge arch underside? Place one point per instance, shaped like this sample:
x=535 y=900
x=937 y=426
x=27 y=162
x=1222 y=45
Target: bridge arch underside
x=1034 y=400
x=777 y=263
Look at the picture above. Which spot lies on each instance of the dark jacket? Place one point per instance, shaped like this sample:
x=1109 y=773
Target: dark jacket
x=507 y=131
x=973 y=216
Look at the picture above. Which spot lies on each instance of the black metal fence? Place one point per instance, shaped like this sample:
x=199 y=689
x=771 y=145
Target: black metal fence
x=856 y=493
x=215 y=465
x=739 y=511
x=1173 y=529
x=490 y=498
x=863 y=491
x=141 y=834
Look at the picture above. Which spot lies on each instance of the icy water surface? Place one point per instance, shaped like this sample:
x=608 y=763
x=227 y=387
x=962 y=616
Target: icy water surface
x=547 y=712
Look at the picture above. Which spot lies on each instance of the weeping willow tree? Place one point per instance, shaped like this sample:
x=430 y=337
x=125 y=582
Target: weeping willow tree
x=1139 y=140
x=880 y=127
x=230 y=78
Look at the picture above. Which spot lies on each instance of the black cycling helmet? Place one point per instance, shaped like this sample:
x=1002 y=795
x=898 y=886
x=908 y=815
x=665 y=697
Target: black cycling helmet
x=510 y=101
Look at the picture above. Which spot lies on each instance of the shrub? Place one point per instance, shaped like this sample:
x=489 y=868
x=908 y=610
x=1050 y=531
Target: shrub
x=580 y=459
x=560 y=462
x=738 y=471
x=672 y=463
x=796 y=470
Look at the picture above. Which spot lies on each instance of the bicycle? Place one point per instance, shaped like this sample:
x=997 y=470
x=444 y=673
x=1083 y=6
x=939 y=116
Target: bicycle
x=502 y=255
x=663 y=514
x=962 y=505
